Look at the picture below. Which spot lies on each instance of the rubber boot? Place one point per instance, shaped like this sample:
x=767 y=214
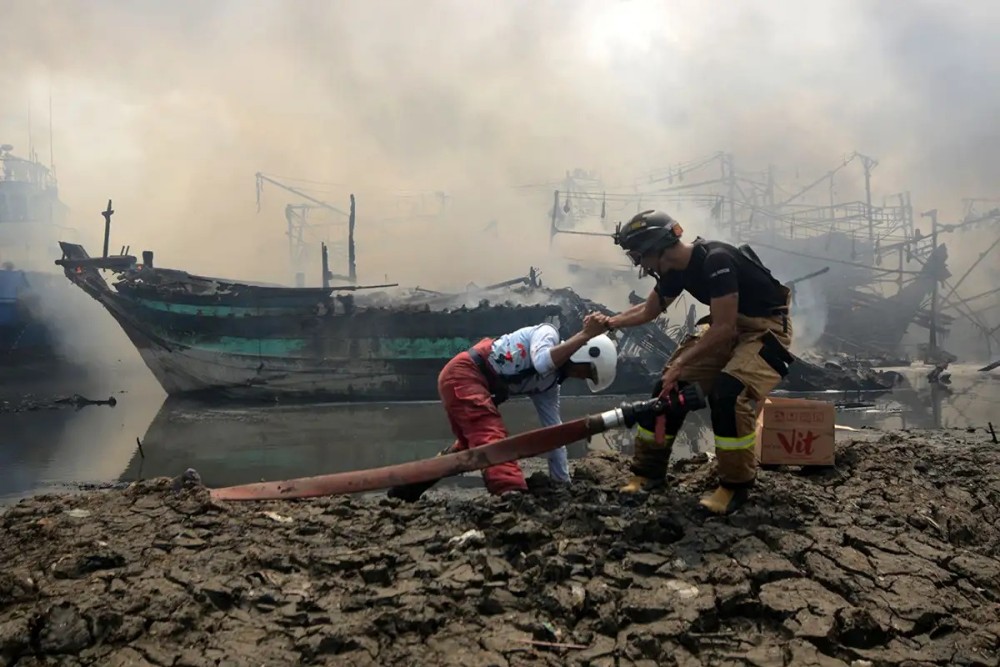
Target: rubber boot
x=649 y=465
x=639 y=484
x=725 y=500
x=411 y=493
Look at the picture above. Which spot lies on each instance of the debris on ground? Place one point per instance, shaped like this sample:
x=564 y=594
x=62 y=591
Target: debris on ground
x=29 y=403
x=888 y=559
x=989 y=367
x=939 y=374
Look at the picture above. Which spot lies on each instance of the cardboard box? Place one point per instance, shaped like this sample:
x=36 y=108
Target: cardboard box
x=795 y=431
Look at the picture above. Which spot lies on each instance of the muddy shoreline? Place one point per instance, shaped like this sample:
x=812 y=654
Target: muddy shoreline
x=889 y=559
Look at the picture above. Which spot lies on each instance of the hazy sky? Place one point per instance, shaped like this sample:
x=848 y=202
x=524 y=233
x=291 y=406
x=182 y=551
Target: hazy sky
x=171 y=107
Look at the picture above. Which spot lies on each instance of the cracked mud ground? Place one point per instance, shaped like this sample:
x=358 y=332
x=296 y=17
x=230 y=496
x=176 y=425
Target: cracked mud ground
x=889 y=560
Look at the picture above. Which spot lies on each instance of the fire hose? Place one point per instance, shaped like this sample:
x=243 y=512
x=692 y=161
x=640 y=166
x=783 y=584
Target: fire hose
x=524 y=445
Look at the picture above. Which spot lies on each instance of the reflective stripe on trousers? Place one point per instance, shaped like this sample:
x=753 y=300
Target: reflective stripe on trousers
x=648 y=438
x=735 y=444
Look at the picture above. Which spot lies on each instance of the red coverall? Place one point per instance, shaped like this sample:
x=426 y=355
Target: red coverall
x=474 y=417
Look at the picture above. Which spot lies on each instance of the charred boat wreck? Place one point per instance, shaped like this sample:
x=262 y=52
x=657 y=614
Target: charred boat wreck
x=201 y=335
x=225 y=339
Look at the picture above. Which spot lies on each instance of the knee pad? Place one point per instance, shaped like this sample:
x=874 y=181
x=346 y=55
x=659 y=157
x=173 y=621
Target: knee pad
x=722 y=400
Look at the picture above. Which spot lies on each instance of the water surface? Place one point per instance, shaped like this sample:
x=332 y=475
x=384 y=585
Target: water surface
x=234 y=444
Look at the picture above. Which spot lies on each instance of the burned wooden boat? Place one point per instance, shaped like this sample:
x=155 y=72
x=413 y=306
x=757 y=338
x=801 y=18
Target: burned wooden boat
x=203 y=335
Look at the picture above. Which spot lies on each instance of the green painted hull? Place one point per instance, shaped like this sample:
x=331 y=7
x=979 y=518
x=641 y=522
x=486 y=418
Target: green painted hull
x=209 y=336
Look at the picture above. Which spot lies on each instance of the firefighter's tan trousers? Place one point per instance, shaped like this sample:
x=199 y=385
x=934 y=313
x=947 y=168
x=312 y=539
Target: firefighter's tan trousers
x=753 y=370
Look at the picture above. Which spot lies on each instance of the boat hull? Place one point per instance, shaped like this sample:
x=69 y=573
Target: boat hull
x=230 y=340
x=25 y=336
x=244 y=377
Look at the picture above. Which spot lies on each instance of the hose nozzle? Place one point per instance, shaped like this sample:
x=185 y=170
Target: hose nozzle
x=677 y=402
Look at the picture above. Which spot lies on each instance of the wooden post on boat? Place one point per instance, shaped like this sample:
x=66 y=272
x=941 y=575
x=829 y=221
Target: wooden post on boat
x=107 y=226
x=555 y=208
x=326 y=266
x=352 y=271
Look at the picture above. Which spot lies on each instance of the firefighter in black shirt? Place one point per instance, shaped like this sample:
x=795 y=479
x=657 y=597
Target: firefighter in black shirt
x=740 y=358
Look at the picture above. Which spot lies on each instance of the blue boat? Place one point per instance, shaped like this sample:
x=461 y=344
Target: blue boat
x=32 y=218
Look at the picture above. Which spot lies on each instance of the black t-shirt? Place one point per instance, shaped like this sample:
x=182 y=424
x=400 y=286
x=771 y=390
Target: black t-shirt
x=717 y=269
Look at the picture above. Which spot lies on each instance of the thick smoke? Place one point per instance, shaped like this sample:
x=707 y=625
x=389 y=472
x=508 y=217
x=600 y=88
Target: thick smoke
x=171 y=108
x=810 y=316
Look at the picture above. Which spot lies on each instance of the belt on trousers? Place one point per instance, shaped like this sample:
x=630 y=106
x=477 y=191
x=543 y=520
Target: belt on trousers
x=496 y=387
x=480 y=362
x=774 y=312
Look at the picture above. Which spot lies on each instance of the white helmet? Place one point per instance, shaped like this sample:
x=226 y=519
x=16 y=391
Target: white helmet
x=601 y=354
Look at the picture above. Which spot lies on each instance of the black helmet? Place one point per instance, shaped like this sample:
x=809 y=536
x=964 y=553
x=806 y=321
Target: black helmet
x=646 y=232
